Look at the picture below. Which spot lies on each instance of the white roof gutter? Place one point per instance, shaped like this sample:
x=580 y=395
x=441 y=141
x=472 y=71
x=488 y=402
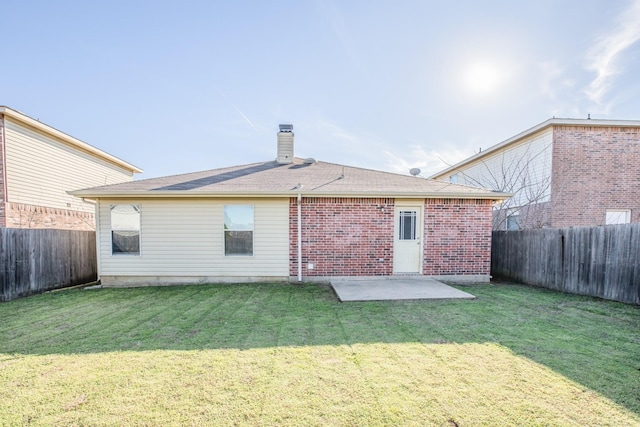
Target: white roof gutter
x=180 y=195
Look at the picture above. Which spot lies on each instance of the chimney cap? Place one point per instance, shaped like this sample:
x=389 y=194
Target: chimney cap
x=286 y=128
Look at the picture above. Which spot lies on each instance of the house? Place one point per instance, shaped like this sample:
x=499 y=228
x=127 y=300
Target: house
x=289 y=219
x=39 y=164
x=562 y=172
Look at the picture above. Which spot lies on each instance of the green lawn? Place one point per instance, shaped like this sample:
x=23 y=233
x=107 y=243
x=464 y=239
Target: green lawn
x=276 y=354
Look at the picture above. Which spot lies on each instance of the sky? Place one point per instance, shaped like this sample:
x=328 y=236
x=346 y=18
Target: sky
x=176 y=87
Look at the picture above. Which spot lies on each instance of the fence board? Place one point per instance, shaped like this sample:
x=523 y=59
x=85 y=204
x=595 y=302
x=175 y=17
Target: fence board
x=599 y=261
x=33 y=261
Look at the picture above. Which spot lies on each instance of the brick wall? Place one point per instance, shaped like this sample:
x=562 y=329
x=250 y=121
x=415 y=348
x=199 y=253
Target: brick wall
x=457 y=237
x=354 y=237
x=343 y=236
x=594 y=169
x=19 y=215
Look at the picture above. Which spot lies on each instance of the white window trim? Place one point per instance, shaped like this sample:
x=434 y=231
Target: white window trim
x=620 y=212
x=111 y=229
x=413 y=214
x=253 y=232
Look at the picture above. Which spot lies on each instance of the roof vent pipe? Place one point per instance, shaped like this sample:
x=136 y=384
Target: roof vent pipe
x=285 y=145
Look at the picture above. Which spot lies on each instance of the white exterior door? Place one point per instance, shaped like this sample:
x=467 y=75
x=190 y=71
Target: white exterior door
x=407 y=247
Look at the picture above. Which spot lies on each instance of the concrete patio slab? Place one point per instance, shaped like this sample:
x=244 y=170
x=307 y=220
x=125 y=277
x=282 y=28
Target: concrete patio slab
x=394 y=288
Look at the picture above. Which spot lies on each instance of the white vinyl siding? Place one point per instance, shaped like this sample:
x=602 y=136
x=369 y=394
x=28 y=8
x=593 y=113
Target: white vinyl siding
x=185 y=237
x=41 y=169
x=523 y=169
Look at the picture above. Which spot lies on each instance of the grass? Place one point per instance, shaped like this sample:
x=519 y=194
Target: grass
x=275 y=354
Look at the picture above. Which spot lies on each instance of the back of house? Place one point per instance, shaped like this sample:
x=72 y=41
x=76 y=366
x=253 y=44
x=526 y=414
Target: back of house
x=290 y=219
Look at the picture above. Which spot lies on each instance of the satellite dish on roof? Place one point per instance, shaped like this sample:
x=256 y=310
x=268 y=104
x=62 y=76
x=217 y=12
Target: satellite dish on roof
x=415 y=171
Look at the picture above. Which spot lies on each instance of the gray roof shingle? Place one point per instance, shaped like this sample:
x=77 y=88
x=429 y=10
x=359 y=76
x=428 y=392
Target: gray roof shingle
x=273 y=179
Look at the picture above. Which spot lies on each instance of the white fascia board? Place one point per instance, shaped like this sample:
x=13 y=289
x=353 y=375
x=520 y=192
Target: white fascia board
x=181 y=195
x=20 y=117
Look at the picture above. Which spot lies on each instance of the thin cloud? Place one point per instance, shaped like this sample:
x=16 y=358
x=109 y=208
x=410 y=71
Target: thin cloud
x=328 y=141
x=340 y=29
x=370 y=151
x=246 y=119
x=604 y=57
x=429 y=161
x=549 y=73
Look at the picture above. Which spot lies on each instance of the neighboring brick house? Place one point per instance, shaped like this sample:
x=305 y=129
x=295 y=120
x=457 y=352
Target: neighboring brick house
x=562 y=172
x=290 y=219
x=39 y=164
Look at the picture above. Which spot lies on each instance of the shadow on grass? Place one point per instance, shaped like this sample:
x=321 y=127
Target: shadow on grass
x=590 y=341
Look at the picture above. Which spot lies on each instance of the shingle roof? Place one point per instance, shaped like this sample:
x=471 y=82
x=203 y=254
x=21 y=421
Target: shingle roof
x=273 y=179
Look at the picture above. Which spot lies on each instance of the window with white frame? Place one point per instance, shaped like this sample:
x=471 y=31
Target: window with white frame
x=238 y=230
x=407 y=225
x=125 y=230
x=617 y=216
x=453 y=178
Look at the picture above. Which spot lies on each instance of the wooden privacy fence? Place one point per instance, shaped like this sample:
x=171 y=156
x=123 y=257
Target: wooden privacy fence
x=599 y=261
x=33 y=261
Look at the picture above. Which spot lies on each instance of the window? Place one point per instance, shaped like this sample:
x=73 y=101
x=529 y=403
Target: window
x=617 y=216
x=238 y=230
x=453 y=179
x=407 y=226
x=513 y=222
x=125 y=230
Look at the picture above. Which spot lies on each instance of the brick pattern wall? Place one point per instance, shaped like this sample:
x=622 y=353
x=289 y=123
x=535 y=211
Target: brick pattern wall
x=20 y=215
x=354 y=237
x=457 y=237
x=594 y=169
x=342 y=236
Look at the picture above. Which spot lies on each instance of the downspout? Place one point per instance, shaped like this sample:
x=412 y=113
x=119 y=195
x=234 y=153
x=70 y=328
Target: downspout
x=299 y=237
x=3 y=165
x=96 y=205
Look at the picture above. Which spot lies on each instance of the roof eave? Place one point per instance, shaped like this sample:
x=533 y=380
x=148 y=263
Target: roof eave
x=16 y=115
x=537 y=128
x=240 y=194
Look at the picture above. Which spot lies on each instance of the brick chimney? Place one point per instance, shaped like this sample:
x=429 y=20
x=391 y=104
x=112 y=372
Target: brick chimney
x=285 y=145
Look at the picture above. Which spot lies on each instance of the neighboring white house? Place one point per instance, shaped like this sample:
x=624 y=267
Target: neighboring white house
x=289 y=218
x=40 y=164
x=562 y=172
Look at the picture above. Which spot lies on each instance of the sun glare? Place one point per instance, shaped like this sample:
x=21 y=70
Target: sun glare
x=482 y=78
